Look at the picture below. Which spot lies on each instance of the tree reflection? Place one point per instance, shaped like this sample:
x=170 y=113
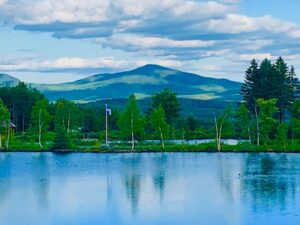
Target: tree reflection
x=159 y=174
x=268 y=182
x=5 y=175
x=225 y=176
x=41 y=178
x=132 y=179
x=265 y=181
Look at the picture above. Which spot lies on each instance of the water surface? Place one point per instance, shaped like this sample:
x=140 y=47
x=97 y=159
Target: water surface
x=149 y=188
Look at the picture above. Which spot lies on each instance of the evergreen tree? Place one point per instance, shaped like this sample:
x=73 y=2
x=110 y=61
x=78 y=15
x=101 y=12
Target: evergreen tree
x=270 y=81
x=131 y=123
x=20 y=100
x=282 y=89
x=159 y=124
x=251 y=86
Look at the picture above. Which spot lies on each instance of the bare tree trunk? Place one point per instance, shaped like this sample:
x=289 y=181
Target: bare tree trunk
x=69 y=119
x=40 y=129
x=293 y=139
x=23 y=124
x=8 y=135
x=219 y=131
x=257 y=126
x=0 y=141
x=132 y=134
x=162 y=138
x=249 y=134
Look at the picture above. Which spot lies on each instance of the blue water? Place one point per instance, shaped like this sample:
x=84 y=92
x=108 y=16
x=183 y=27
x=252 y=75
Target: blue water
x=169 y=189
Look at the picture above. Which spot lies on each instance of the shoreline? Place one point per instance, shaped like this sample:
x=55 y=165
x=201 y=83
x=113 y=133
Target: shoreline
x=67 y=151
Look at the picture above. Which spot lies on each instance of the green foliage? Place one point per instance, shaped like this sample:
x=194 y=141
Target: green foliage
x=159 y=124
x=4 y=122
x=243 y=122
x=131 y=123
x=62 y=139
x=169 y=102
x=20 y=101
x=282 y=134
x=295 y=121
x=67 y=115
x=40 y=120
x=267 y=111
x=270 y=81
x=65 y=124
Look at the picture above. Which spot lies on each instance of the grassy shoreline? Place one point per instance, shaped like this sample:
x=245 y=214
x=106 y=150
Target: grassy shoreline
x=242 y=147
x=62 y=151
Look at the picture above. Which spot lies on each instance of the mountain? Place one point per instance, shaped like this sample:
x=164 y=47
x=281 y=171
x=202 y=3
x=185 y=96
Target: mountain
x=6 y=80
x=143 y=81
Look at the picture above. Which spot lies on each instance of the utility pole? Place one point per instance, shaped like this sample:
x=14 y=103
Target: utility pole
x=106 y=126
x=107 y=113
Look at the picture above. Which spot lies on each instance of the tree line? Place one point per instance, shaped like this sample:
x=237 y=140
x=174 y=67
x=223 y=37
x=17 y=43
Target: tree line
x=269 y=114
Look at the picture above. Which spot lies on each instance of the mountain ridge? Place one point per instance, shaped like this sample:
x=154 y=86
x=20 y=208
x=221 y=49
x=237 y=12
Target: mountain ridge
x=142 y=81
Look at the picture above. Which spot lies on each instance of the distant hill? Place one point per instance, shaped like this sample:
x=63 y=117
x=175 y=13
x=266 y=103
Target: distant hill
x=143 y=81
x=6 y=80
x=198 y=94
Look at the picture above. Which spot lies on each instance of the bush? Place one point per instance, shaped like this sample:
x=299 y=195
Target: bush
x=62 y=139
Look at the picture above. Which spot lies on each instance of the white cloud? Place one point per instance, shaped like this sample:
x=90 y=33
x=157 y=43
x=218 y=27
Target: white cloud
x=134 y=42
x=235 y=23
x=63 y=63
x=168 y=32
x=257 y=56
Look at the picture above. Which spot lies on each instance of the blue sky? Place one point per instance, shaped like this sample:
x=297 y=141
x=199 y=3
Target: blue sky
x=53 y=41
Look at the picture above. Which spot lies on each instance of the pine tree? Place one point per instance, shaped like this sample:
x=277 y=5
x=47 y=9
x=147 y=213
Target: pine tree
x=250 y=87
x=270 y=81
x=282 y=90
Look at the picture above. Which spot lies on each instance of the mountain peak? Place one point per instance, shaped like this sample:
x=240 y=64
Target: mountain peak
x=7 y=80
x=148 y=67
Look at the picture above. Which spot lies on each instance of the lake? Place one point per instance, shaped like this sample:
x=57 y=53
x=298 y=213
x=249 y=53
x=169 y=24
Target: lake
x=149 y=189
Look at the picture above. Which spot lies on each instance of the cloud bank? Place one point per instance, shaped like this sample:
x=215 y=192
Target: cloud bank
x=175 y=32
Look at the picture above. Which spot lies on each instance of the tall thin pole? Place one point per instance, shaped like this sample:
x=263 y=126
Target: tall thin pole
x=106 y=126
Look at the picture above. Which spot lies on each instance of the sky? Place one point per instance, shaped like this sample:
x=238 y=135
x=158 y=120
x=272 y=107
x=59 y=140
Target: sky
x=54 y=41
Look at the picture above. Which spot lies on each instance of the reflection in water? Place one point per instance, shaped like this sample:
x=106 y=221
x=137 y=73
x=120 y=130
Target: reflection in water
x=132 y=179
x=268 y=182
x=159 y=174
x=5 y=175
x=146 y=189
x=40 y=170
x=226 y=176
